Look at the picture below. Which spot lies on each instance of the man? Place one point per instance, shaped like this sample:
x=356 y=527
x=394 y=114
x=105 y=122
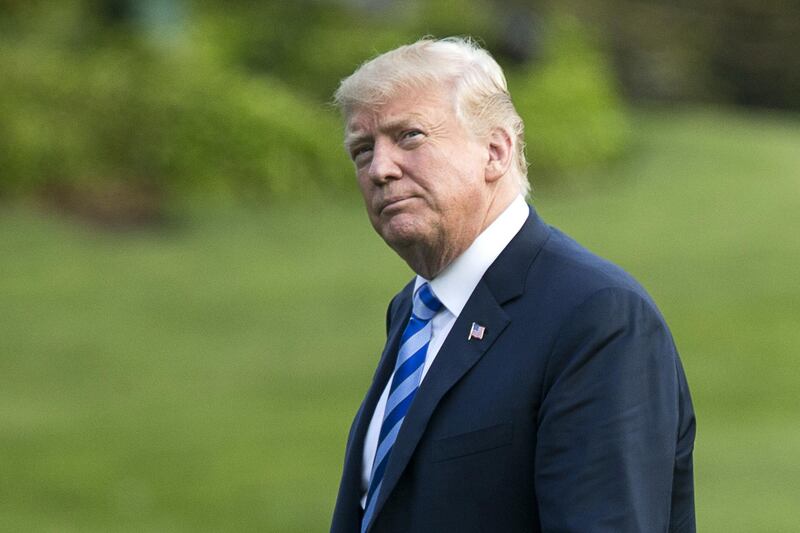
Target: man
x=526 y=384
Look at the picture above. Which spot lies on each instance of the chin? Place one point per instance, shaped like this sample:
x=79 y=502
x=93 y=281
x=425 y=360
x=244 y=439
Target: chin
x=402 y=231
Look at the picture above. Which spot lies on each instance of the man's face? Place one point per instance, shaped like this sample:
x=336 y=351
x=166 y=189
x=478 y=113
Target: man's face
x=421 y=172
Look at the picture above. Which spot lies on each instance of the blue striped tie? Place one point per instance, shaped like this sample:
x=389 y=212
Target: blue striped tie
x=405 y=383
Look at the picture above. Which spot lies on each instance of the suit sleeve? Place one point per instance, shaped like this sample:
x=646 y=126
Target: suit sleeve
x=609 y=419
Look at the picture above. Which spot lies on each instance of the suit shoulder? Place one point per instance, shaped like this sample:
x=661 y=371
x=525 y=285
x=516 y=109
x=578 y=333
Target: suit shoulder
x=567 y=274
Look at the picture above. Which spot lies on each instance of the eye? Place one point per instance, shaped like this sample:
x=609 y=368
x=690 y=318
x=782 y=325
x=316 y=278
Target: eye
x=410 y=134
x=358 y=151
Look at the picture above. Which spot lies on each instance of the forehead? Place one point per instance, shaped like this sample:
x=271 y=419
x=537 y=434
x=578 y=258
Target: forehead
x=421 y=106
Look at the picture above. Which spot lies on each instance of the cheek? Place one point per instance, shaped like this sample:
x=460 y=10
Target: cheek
x=465 y=193
x=364 y=184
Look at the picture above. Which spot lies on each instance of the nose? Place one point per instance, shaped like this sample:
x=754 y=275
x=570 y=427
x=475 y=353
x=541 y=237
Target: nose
x=384 y=165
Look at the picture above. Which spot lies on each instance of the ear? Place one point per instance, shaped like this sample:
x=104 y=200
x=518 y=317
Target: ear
x=500 y=148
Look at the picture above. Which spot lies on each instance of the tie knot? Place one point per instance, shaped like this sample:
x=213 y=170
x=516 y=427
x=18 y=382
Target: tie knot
x=426 y=304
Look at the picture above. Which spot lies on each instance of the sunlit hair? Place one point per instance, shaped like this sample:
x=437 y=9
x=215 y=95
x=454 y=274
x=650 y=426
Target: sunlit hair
x=479 y=88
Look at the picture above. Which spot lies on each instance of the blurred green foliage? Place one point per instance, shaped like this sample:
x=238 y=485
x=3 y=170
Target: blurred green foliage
x=174 y=124
x=232 y=98
x=741 y=52
x=574 y=118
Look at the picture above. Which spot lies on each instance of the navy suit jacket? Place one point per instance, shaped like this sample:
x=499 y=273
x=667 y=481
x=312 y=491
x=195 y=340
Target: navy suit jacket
x=572 y=414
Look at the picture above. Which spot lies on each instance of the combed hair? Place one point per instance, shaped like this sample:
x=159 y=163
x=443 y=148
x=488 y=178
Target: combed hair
x=481 y=96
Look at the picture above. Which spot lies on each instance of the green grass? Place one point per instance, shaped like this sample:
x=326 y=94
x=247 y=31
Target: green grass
x=203 y=377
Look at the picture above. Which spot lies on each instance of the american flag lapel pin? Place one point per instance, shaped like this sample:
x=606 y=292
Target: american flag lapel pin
x=476 y=332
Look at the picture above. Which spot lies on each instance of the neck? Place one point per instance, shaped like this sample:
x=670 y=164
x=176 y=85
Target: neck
x=430 y=259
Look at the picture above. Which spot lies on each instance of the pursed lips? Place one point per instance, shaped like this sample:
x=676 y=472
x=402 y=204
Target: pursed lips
x=389 y=202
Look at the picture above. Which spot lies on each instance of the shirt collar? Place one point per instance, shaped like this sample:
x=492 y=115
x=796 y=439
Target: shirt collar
x=454 y=285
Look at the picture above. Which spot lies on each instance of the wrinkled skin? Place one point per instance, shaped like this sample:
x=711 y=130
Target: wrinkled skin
x=430 y=186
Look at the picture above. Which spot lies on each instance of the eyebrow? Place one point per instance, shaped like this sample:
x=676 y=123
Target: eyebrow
x=352 y=140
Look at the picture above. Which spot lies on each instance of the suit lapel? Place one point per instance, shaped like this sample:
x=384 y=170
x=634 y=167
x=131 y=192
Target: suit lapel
x=455 y=358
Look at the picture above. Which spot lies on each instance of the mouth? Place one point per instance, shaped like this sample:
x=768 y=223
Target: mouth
x=394 y=202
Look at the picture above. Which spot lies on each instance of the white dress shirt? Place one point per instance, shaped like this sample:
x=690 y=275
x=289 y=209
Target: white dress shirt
x=453 y=286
